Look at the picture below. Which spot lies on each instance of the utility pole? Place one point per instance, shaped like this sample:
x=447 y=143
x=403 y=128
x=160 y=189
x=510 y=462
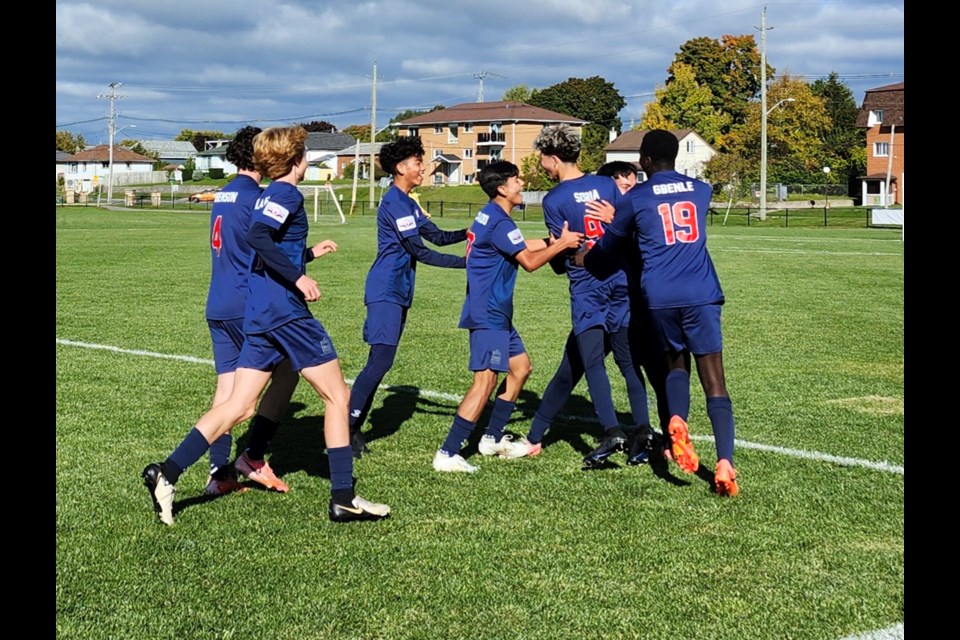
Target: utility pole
x=111 y=128
x=763 y=112
x=480 y=76
x=373 y=132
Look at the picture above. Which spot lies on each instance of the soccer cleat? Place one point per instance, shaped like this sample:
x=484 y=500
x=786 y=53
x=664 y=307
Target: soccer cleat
x=358 y=509
x=358 y=444
x=725 y=479
x=161 y=492
x=223 y=487
x=508 y=447
x=681 y=448
x=642 y=447
x=610 y=445
x=455 y=463
x=260 y=472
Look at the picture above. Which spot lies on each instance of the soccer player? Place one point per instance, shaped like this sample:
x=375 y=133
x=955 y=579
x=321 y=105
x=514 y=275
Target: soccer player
x=599 y=307
x=231 y=258
x=667 y=216
x=495 y=247
x=401 y=227
x=278 y=325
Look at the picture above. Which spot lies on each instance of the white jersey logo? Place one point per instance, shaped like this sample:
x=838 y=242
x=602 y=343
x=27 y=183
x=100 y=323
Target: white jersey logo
x=276 y=211
x=515 y=236
x=406 y=223
x=482 y=218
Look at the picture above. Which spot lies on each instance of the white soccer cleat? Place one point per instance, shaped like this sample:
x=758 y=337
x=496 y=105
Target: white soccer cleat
x=454 y=463
x=507 y=447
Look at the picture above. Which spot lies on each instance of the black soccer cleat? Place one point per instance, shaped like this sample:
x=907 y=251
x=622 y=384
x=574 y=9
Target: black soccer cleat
x=161 y=491
x=641 y=450
x=358 y=444
x=358 y=509
x=610 y=445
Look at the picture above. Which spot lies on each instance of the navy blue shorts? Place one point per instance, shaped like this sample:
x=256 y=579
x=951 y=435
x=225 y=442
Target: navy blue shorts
x=696 y=329
x=228 y=338
x=487 y=347
x=384 y=323
x=304 y=341
x=607 y=306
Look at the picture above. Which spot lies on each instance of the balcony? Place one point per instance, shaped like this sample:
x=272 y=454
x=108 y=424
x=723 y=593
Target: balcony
x=492 y=138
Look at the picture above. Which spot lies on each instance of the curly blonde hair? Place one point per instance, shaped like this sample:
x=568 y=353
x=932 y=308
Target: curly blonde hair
x=277 y=150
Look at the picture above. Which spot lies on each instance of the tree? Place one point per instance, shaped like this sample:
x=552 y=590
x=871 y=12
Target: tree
x=845 y=143
x=534 y=176
x=361 y=132
x=199 y=138
x=390 y=134
x=685 y=104
x=520 y=93
x=67 y=143
x=729 y=68
x=318 y=126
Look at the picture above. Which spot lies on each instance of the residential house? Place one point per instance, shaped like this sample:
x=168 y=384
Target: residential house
x=90 y=168
x=882 y=115
x=170 y=152
x=358 y=152
x=461 y=139
x=693 y=156
x=322 y=149
x=214 y=157
x=61 y=165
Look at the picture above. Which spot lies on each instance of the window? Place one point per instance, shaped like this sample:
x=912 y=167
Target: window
x=468 y=127
x=690 y=146
x=413 y=131
x=881 y=149
x=73 y=167
x=438 y=128
x=468 y=179
x=876 y=117
x=468 y=153
x=437 y=153
x=452 y=134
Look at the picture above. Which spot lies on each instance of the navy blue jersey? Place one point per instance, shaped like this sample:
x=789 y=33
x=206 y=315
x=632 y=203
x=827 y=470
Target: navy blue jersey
x=231 y=255
x=393 y=274
x=567 y=202
x=492 y=243
x=273 y=301
x=667 y=215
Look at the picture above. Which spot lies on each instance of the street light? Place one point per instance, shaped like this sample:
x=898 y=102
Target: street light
x=114 y=132
x=763 y=155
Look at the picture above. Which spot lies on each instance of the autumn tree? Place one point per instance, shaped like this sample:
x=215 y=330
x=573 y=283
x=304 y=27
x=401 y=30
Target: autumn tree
x=685 y=104
x=68 y=143
x=199 y=138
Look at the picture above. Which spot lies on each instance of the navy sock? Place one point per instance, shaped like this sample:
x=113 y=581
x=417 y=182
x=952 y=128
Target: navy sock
x=460 y=431
x=598 y=384
x=499 y=418
x=341 y=471
x=262 y=431
x=190 y=450
x=379 y=361
x=720 y=412
x=636 y=390
x=220 y=456
x=678 y=393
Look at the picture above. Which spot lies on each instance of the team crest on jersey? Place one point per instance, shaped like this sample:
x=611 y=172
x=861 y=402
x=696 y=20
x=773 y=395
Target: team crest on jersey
x=276 y=212
x=406 y=223
x=515 y=236
x=482 y=218
x=225 y=196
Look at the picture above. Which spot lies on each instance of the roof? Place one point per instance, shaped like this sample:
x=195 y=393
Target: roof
x=62 y=155
x=490 y=112
x=329 y=141
x=889 y=99
x=364 y=149
x=215 y=151
x=630 y=140
x=448 y=158
x=169 y=148
x=101 y=153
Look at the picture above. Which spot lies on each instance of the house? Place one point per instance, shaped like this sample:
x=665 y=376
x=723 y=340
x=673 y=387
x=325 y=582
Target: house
x=463 y=138
x=175 y=152
x=882 y=115
x=90 y=168
x=357 y=152
x=214 y=158
x=694 y=154
x=322 y=149
x=61 y=165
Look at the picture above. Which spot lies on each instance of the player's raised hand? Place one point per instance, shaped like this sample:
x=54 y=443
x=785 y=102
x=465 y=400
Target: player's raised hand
x=308 y=286
x=324 y=247
x=601 y=210
x=569 y=239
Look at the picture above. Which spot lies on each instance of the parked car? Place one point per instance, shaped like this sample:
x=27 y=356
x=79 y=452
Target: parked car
x=207 y=195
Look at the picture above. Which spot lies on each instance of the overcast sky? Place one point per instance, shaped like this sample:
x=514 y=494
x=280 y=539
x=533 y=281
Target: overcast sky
x=218 y=64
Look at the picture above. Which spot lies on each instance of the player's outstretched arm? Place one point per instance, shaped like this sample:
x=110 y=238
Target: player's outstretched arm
x=415 y=247
x=539 y=252
x=439 y=237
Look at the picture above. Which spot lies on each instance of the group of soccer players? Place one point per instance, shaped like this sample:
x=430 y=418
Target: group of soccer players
x=641 y=281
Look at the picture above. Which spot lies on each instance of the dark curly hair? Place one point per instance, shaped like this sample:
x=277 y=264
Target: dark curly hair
x=394 y=153
x=240 y=149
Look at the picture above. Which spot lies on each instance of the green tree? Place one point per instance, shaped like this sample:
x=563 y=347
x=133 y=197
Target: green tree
x=318 y=126
x=685 y=104
x=361 y=132
x=67 y=143
x=535 y=178
x=845 y=143
x=520 y=93
x=592 y=142
x=199 y=138
x=136 y=147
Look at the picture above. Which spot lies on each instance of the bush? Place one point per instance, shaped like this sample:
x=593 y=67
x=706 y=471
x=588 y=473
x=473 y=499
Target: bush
x=197 y=175
x=216 y=174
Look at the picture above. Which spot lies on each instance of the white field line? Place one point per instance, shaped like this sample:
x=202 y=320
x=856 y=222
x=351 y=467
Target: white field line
x=449 y=397
x=890 y=633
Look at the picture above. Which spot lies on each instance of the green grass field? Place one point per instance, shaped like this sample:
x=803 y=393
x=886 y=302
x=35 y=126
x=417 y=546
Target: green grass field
x=813 y=547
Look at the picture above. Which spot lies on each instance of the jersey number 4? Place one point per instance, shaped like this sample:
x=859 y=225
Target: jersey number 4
x=679 y=222
x=216 y=240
